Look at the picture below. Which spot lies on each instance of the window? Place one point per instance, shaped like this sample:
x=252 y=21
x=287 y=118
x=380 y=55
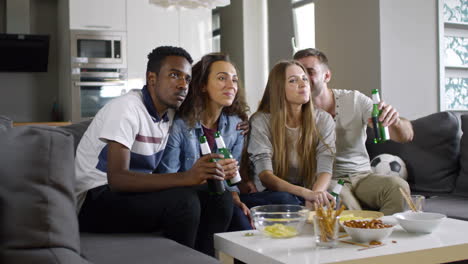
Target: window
x=453 y=42
x=216 y=25
x=304 y=24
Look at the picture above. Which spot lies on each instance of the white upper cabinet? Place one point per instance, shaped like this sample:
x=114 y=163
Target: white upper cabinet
x=98 y=15
x=195 y=32
x=150 y=26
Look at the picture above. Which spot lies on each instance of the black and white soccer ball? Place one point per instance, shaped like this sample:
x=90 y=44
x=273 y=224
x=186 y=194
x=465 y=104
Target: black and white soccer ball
x=389 y=165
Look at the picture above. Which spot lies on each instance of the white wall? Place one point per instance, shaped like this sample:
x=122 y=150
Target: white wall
x=255 y=50
x=409 y=54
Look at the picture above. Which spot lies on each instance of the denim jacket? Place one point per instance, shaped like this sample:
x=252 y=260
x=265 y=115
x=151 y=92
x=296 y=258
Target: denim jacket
x=183 y=147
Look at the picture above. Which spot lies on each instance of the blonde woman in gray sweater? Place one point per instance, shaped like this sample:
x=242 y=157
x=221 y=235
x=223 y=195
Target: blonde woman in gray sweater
x=291 y=144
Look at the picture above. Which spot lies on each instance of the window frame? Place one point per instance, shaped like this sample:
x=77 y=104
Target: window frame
x=294 y=5
x=216 y=32
x=446 y=29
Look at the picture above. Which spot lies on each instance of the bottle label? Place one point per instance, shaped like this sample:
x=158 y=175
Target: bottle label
x=337 y=189
x=205 y=148
x=220 y=142
x=384 y=133
x=234 y=181
x=376 y=98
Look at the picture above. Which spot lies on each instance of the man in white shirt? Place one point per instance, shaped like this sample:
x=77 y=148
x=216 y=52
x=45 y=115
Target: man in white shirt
x=116 y=189
x=351 y=111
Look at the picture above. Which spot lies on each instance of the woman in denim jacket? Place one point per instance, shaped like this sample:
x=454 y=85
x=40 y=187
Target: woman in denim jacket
x=215 y=102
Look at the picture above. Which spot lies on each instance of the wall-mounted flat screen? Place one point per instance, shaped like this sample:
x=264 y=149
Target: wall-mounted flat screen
x=24 y=53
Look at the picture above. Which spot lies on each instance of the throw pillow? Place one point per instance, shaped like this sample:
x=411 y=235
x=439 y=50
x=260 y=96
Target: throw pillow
x=462 y=180
x=432 y=157
x=37 y=190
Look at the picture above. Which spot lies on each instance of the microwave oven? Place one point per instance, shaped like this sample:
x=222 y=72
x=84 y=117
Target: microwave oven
x=98 y=49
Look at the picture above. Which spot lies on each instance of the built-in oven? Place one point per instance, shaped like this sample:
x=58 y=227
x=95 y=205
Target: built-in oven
x=95 y=87
x=98 y=48
x=99 y=70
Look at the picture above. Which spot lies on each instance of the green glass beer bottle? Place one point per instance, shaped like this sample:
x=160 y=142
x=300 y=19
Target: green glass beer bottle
x=336 y=192
x=381 y=132
x=214 y=186
x=222 y=149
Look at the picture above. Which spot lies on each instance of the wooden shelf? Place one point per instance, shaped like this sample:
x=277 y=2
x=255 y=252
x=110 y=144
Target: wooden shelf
x=55 y=124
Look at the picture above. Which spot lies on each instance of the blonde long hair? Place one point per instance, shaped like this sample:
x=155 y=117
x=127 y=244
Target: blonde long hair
x=274 y=102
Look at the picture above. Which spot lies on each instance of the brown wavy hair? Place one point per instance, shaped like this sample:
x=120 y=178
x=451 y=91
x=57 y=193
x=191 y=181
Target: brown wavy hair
x=274 y=102
x=196 y=100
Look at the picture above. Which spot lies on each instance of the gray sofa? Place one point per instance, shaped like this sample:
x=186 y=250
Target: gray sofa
x=38 y=221
x=436 y=160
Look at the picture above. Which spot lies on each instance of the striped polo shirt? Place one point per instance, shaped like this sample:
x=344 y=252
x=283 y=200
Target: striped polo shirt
x=130 y=120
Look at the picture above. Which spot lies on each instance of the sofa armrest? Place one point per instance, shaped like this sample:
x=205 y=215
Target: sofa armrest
x=40 y=221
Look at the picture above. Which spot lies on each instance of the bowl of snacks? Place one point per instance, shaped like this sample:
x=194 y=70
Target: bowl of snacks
x=279 y=220
x=367 y=230
x=419 y=222
x=347 y=215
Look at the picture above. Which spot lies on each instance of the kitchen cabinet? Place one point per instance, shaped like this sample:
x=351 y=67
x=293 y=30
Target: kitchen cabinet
x=150 y=26
x=98 y=14
x=195 y=31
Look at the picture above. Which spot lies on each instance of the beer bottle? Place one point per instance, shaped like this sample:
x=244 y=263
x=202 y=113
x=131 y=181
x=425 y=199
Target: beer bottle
x=381 y=132
x=336 y=192
x=214 y=186
x=227 y=155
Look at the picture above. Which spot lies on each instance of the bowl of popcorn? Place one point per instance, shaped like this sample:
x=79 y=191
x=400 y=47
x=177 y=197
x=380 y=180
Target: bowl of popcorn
x=279 y=220
x=364 y=231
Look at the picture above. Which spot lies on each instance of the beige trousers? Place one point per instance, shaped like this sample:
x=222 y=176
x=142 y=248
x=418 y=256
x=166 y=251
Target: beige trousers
x=373 y=191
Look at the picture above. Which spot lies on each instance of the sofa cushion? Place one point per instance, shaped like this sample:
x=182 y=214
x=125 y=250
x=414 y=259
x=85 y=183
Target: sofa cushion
x=452 y=206
x=433 y=155
x=54 y=255
x=36 y=167
x=5 y=123
x=142 y=248
x=462 y=180
x=76 y=130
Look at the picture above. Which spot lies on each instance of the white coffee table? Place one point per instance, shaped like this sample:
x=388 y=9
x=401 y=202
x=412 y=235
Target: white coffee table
x=448 y=243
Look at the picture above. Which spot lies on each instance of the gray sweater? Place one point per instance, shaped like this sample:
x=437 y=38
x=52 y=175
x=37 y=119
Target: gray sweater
x=260 y=148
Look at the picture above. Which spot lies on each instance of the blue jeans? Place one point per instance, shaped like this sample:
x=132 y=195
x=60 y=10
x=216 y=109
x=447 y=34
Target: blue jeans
x=270 y=197
x=188 y=215
x=239 y=220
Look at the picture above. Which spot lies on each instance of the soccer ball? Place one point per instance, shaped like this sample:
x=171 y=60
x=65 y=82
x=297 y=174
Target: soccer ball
x=389 y=165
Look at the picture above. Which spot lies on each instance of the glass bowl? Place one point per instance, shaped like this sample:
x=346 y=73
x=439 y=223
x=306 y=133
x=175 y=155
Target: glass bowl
x=279 y=220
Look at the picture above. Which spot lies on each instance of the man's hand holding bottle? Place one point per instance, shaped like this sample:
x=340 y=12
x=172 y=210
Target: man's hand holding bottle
x=388 y=116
